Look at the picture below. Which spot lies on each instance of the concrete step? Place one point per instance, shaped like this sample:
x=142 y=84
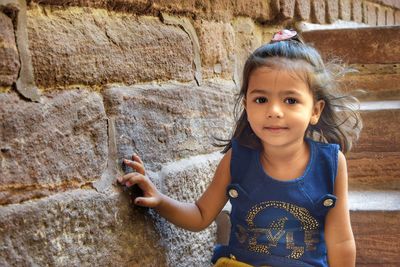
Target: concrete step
x=375 y=217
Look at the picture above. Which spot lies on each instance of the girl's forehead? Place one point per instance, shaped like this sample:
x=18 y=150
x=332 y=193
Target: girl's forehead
x=277 y=77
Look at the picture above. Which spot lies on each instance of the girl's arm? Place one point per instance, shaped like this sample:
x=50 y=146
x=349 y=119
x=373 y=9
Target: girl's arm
x=191 y=216
x=338 y=234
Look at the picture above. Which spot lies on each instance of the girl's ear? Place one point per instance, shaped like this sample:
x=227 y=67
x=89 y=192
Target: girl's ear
x=317 y=110
x=244 y=102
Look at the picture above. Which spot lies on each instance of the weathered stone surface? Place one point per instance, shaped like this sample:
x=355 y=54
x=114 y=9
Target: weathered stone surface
x=224 y=10
x=9 y=60
x=345 y=10
x=397 y=17
x=112 y=47
x=374 y=170
x=381 y=16
x=167 y=122
x=217 y=46
x=79 y=228
x=303 y=9
x=51 y=146
x=186 y=180
x=391 y=3
x=370 y=13
x=318 y=11
x=374 y=137
x=259 y=10
x=248 y=37
x=356 y=11
x=287 y=8
x=375 y=45
x=332 y=10
x=389 y=17
x=377 y=237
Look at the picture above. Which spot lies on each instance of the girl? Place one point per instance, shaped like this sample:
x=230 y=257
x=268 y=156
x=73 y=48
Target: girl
x=283 y=171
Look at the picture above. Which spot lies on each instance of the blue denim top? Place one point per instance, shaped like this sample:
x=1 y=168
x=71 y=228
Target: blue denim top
x=279 y=223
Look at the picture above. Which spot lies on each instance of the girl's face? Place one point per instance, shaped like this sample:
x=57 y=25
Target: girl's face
x=280 y=106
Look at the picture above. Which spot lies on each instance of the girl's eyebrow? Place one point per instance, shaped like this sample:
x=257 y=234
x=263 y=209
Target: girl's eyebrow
x=266 y=91
x=258 y=91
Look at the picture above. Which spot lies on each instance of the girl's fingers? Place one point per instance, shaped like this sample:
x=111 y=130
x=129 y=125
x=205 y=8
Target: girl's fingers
x=135 y=157
x=137 y=166
x=136 y=178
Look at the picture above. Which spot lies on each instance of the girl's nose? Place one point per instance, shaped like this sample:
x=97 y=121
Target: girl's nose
x=274 y=111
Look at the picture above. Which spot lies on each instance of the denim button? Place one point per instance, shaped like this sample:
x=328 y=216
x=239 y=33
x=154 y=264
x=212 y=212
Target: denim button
x=233 y=193
x=328 y=202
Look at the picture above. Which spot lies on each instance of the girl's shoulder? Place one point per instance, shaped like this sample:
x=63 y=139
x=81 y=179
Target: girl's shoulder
x=333 y=149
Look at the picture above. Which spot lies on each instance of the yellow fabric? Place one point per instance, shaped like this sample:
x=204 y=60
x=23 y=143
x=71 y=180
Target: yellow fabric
x=226 y=262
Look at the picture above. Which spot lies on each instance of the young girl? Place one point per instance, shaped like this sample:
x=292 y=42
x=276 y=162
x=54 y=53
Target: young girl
x=283 y=171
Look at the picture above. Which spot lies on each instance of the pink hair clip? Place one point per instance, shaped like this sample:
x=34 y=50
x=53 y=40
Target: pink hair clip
x=283 y=35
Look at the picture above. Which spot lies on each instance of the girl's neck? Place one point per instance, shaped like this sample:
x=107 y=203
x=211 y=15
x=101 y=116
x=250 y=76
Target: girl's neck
x=277 y=159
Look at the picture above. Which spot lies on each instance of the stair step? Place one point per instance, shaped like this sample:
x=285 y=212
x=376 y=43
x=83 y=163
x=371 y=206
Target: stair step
x=370 y=45
x=374 y=162
x=375 y=217
x=374 y=201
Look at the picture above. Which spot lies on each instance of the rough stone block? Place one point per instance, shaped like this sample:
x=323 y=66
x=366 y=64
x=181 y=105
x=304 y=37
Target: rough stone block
x=186 y=180
x=370 y=14
x=217 y=47
x=259 y=10
x=248 y=37
x=112 y=47
x=222 y=10
x=163 y=123
x=303 y=9
x=356 y=11
x=55 y=145
x=389 y=17
x=377 y=237
x=397 y=17
x=345 y=10
x=287 y=8
x=374 y=170
x=373 y=45
x=332 y=10
x=9 y=59
x=79 y=228
x=318 y=11
x=381 y=19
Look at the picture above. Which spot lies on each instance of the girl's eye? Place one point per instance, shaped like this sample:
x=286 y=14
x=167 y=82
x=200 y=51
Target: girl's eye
x=291 y=101
x=261 y=100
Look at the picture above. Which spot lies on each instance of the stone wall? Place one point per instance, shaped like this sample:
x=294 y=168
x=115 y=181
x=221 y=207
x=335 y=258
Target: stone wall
x=84 y=84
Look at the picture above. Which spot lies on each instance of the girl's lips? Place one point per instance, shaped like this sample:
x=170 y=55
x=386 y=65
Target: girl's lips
x=276 y=128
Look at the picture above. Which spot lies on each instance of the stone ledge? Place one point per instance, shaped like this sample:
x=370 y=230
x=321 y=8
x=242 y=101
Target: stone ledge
x=374 y=200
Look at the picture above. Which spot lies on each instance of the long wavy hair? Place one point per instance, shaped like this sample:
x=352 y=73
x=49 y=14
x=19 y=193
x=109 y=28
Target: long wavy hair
x=340 y=121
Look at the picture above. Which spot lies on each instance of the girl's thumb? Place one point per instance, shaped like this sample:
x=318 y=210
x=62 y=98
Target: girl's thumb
x=145 y=201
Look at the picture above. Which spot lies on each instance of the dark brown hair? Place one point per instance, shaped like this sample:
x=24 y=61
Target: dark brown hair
x=340 y=122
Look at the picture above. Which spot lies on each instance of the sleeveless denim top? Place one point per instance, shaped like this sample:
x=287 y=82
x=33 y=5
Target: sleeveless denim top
x=279 y=223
